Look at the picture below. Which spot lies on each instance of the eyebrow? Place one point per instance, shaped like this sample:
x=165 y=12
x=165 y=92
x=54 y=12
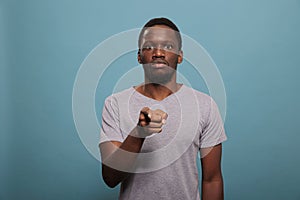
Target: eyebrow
x=164 y=41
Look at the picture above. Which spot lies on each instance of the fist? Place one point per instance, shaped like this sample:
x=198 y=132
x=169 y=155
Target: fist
x=151 y=121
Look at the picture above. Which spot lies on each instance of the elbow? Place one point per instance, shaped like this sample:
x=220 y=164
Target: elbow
x=110 y=183
x=110 y=176
x=213 y=178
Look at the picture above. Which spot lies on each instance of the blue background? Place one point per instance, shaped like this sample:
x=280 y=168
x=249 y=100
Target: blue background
x=254 y=43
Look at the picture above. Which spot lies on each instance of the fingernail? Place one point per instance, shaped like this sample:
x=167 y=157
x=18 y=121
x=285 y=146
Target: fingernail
x=163 y=121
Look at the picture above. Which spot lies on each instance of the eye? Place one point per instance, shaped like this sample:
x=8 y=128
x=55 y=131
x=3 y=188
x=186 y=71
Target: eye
x=148 y=47
x=168 y=46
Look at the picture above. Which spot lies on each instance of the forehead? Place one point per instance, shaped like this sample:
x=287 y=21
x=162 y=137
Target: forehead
x=159 y=33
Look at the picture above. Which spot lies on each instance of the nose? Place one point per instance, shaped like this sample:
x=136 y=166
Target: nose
x=158 y=53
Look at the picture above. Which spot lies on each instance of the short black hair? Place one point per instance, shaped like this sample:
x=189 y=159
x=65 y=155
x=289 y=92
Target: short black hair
x=161 y=21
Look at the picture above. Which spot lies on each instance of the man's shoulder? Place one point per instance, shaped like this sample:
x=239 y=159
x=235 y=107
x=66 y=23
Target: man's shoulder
x=126 y=93
x=201 y=96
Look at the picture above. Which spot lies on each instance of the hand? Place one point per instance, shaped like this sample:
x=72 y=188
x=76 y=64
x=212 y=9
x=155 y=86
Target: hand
x=151 y=121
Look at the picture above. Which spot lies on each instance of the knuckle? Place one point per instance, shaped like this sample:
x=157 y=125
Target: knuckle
x=159 y=117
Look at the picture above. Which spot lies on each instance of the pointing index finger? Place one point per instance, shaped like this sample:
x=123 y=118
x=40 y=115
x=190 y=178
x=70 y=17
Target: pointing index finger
x=146 y=112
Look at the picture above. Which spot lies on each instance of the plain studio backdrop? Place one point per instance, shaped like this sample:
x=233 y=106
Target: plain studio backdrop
x=255 y=45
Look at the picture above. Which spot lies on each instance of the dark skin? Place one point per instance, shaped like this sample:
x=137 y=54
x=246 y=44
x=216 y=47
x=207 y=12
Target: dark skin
x=160 y=53
x=212 y=181
x=159 y=46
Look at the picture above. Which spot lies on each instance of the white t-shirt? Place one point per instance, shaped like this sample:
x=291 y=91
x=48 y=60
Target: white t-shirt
x=166 y=167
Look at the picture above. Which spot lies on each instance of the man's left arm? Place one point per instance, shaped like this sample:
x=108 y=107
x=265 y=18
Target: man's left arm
x=212 y=181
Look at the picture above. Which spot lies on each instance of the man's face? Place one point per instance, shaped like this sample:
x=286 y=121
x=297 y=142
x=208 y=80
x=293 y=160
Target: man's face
x=159 y=53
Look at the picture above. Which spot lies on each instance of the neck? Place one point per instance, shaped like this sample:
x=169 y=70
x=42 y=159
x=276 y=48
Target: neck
x=158 y=91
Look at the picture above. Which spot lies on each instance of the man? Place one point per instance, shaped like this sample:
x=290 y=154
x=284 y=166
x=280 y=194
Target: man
x=166 y=120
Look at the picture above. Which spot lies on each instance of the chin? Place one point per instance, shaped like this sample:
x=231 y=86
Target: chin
x=160 y=79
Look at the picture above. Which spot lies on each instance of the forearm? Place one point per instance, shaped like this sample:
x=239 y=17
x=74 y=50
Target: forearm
x=121 y=161
x=212 y=190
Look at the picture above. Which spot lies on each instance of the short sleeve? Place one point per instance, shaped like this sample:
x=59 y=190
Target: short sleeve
x=213 y=130
x=110 y=127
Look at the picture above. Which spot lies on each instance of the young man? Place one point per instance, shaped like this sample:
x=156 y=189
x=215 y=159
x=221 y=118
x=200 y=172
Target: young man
x=151 y=133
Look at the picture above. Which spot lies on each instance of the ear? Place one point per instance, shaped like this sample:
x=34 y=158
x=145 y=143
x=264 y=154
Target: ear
x=139 y=56
x=180 y=57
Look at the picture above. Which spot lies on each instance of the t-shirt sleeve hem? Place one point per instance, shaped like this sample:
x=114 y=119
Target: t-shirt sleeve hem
x=111 y=139
x=214 y=143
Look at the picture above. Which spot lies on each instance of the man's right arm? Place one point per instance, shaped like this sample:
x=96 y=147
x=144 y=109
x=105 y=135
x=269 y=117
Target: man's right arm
x=116 y=154
x=111 y=154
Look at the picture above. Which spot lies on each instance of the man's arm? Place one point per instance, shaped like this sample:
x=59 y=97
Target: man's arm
x=110 y=154
x=212 y=181
x=113 y=153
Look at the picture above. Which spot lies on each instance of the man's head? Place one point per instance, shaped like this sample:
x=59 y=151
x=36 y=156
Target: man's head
x=160 y=50
x=163 y=22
